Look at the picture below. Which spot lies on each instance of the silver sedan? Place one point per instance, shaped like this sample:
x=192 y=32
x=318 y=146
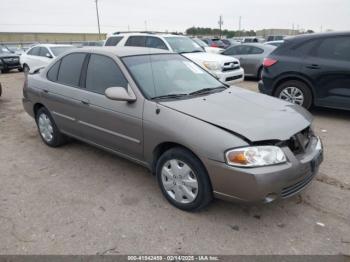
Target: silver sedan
x=251 y=57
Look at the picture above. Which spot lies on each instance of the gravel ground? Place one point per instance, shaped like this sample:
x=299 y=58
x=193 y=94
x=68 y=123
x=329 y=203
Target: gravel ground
x=80 y=200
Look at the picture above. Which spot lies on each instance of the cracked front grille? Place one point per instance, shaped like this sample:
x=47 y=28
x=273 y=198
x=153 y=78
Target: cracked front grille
x=300 y=141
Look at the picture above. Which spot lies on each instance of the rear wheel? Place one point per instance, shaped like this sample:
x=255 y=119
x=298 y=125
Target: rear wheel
x=48 y=130
x=296 y=92
x=183 y=180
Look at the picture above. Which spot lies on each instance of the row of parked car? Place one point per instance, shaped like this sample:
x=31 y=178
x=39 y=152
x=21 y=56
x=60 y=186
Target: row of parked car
x=306 y=70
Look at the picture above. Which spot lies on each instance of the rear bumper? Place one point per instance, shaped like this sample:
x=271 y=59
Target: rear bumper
x=265 y=87
x=28 y=106
x=266 y=184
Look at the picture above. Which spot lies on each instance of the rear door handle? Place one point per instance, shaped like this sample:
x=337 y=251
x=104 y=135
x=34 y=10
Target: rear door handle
x=85 y=101
x=313 y=66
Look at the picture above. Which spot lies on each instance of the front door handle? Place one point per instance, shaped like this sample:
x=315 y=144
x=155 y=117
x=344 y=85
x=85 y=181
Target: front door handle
x=313 y=66
x=85 y=101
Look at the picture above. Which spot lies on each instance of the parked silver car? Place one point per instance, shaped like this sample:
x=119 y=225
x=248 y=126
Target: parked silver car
x=159 y=109
x=251 y=57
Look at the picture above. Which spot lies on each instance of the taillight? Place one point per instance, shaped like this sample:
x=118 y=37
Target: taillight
x=214 y=45
x=268 y=62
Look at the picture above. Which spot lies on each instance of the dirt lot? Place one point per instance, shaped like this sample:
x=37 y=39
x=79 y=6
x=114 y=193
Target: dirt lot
x=81 y=200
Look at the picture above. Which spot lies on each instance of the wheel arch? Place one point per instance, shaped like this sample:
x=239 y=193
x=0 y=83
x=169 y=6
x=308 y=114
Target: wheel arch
x=295 y=77
x=165 y=146
x=36 y=108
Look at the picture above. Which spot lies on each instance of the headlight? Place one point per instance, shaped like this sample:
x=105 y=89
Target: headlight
x=255 y=156
x=212 y=65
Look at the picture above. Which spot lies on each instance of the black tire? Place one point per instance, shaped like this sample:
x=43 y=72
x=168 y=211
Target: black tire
x=204 y=193
x=259 y=75
x=306 y=91
x=58 y=138
x=26 y=68
x=20 y=69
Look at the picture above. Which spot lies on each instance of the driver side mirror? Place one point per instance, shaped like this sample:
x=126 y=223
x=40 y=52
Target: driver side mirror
x=119 y=93
x=48 y=55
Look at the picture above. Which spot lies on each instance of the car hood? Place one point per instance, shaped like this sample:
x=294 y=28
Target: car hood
x=204 y=57
x=254 y=116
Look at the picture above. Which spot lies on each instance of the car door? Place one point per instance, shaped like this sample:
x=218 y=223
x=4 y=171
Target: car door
x=44 y=58
x=253 y=60
x=240 y=52
x=328 y=66
x=61 y=94
x=32 y=59
x=115 y=125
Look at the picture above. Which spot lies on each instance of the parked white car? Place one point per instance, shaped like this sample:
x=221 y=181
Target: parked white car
x=41 y=55
x=226 y=69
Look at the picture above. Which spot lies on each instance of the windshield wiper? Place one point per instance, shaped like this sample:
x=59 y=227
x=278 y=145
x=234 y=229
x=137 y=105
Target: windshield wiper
x=207 y=90
x=170 y=96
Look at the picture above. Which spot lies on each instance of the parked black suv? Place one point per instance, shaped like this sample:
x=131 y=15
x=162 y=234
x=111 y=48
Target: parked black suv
x=8 y=60
x=310 y=70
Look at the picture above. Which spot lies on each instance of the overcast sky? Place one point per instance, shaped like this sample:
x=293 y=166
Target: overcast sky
x=175 y=15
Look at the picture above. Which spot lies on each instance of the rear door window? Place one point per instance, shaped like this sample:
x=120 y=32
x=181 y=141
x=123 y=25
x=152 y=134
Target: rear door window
x=113 y=41
x=136 y=41
x=155 y=42
x=70 y=69
x=102 y=73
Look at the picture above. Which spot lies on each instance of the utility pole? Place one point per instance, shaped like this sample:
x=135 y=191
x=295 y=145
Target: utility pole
x=98 y=20
x=221 y=22
x=239 y=25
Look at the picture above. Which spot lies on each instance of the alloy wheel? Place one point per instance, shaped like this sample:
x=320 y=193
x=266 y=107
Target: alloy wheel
x=293 y=95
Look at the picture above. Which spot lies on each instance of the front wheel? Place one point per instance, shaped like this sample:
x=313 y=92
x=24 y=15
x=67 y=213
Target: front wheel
x=26 y=68
x=295 y=92
x=183 y=180
x=48 y=130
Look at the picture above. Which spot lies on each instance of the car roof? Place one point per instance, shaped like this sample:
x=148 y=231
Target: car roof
x=306 y=37
x=260 y=45
x=123 y=51
x=145 y=34
x=50 y=45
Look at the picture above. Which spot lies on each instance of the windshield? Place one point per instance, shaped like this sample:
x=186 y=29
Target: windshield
x=183 y=45
x=168 y=74
x=4 y=50
x=57 y=50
